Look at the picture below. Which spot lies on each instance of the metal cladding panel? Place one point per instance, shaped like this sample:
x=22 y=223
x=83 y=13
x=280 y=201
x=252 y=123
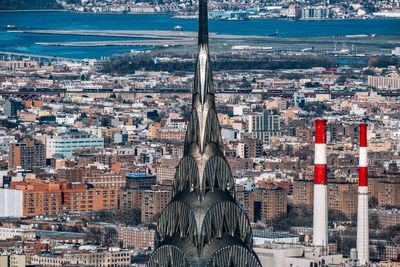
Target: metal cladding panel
x=167 y=256
x=216 y=215
x=233 y=256
x=203 y=22
x=223 y=251
x=177 y=217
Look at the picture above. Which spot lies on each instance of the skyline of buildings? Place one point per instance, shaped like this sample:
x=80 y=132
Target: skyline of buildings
x=289 y=167
x=242 y=10
x=259 y=206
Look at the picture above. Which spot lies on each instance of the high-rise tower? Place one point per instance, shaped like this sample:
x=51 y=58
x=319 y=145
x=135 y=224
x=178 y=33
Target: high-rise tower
x=203 y=225
x=362 y=213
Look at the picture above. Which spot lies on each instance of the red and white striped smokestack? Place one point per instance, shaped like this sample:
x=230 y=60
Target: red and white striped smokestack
x=362 y=212
x=320 y=213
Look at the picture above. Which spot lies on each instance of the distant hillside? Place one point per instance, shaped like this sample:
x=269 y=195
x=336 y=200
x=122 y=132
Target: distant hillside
x=28 y=4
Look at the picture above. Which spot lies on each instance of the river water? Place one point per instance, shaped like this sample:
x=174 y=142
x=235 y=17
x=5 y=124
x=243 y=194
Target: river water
x=25 y=43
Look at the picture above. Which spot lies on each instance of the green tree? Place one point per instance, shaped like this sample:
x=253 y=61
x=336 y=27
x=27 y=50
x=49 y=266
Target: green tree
x=381 y=249
x=374 y=221
x=95 y=235
x=110 y=236
x=372 y=202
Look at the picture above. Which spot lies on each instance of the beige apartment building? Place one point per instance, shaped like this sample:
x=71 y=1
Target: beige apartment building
x=384 y=82
x=116 y=258
x=12 y=232
x=18 y=64
x=12 y=260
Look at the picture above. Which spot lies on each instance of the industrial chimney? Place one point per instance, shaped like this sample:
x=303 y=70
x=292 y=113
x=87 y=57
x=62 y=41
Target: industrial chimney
x=320 y=219
x=362 y=213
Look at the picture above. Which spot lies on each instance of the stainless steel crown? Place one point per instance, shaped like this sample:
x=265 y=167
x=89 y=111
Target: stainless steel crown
x=203 y=225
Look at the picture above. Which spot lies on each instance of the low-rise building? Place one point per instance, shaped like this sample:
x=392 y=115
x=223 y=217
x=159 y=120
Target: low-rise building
x=65 y=143
x=112 y=257
x=105 y=180
x=136 y=237
x=25 y=233
x=13 y=260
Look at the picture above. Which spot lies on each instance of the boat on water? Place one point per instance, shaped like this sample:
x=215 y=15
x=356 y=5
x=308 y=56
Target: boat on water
x=274 y=34
x=178 y=28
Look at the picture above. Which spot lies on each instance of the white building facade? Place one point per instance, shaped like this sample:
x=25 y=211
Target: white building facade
x=11 y=201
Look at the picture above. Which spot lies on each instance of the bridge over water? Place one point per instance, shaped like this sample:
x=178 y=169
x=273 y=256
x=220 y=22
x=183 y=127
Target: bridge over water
x=7 y=55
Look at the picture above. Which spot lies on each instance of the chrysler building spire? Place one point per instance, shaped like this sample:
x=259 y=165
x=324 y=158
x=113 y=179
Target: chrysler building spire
x=203 y=225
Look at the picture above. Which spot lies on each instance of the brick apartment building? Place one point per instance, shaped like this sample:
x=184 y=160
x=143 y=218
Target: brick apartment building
x=40 y=198
x=78 y=198
x=88 y=156
x=166 y=171
x=246 y=199
x=304 y=135
x=51 y=198
x=303 y=193
x=273 y=203
x=387 y=218
x=264 y=125
x=385 y=188
x=105 y=180
x=96 y=177
x=154 y=201
x=27 y=154
x=171 y=134
x=342 y=197
x=262 y=203
x=136 y=237
x=130 y=198
x=70 y=174
x=240 y=164
x=253 y=148
x=141 y=180
x=165 y=174
x=389 y=192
